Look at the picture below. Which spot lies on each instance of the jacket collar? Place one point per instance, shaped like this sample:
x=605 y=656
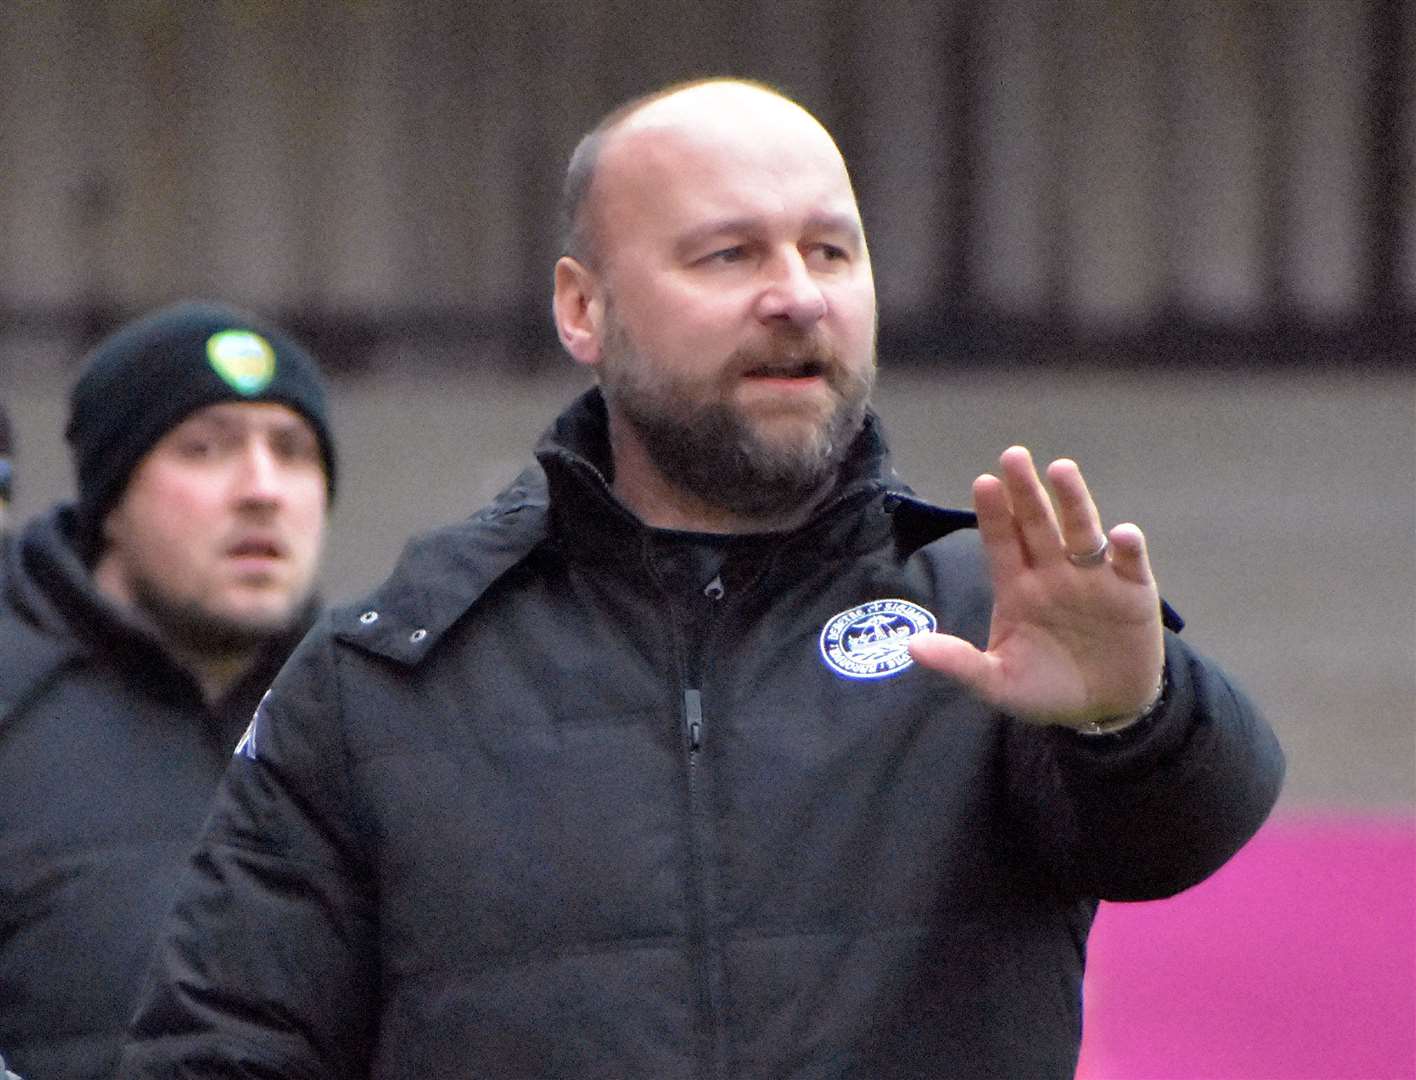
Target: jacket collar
x=442 y=573
x=575 y=455
x=566 y=499
x=581 y=434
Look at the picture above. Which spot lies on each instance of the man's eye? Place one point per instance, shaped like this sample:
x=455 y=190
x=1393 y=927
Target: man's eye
x=729 y=255
x=297 y=448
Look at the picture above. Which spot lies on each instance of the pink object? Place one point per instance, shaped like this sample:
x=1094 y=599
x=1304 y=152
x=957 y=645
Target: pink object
x=1296 y=961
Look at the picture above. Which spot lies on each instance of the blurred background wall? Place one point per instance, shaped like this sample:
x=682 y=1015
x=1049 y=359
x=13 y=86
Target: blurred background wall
x=1173 y=238
x=1035 y=173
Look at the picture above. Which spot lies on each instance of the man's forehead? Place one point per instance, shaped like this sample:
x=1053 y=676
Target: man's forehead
x=721 y=144
x=718 y=118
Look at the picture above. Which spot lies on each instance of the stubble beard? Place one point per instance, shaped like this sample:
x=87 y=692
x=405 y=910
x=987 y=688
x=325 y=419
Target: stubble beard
x=711 y=449
x=194 y=627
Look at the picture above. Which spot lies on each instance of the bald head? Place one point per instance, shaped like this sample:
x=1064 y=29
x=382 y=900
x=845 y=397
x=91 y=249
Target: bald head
x=711 y=112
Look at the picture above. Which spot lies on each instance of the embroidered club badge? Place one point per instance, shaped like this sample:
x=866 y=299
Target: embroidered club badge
x=870 y=641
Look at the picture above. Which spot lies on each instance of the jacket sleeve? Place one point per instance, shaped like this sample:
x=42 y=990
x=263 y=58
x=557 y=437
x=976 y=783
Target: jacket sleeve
x=266 y=967
x=1156 y=808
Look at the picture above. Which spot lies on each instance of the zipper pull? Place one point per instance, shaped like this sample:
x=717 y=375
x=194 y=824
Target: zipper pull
x=693 y=719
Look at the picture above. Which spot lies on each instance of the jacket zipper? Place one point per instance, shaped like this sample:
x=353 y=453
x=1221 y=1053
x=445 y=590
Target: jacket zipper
x=710 y=1004
x=693 y=726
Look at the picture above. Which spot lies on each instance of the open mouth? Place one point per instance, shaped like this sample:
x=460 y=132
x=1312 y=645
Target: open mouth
x=255 y=549
x=797 y=369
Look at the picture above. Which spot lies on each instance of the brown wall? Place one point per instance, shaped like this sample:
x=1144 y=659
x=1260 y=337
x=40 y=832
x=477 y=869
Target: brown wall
x=1092 y=164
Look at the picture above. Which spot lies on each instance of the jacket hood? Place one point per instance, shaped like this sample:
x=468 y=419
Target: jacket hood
x=442 y=573
x=48 y=585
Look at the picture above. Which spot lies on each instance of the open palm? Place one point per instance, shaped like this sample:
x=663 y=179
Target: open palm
x=1069 y=643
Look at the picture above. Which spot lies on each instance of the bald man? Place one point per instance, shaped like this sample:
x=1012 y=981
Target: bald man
x=708 y=750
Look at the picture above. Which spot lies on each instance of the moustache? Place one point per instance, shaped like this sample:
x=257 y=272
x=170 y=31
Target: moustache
x=787 y=360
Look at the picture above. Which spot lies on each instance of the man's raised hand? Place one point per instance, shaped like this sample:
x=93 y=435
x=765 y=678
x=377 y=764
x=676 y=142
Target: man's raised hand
x=1076 y=633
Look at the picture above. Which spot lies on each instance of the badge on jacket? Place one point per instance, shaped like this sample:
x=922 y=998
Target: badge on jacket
x=870 y=641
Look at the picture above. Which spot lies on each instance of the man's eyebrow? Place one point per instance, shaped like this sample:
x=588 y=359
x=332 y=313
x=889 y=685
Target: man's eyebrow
x=695 y=237
x=837 y=224
x=832 y=223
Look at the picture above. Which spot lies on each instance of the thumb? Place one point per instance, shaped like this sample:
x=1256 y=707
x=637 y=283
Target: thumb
x=952 y=656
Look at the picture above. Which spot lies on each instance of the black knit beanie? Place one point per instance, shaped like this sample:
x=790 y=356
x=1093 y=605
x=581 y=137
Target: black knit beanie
x=150 y=375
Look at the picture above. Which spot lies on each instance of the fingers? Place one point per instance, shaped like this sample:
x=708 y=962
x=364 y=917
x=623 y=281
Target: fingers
x=1018 y=522
x=1032 y=511
x=1002 y=543
x=954 y=657
x=1077 y=517
x=1022 y=525
x=1128 y=554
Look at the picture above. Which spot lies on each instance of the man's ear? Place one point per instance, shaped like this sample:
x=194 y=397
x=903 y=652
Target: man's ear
x=579 y=308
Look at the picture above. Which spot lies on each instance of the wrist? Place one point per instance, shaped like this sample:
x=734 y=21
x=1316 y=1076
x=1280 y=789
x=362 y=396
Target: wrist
x=1114 y=725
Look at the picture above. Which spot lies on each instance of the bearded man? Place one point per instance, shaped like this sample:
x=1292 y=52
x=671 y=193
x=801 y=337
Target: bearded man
x=708 y=750
x=139 y=627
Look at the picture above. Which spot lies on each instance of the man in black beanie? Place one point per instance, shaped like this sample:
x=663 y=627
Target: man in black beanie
x=139 y=627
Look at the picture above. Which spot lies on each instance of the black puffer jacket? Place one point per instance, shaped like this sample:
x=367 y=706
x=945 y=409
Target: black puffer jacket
x=108 y=761
x=572 y=798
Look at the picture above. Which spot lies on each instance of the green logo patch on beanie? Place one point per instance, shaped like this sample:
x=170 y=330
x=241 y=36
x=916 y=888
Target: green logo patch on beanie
x=244 y=360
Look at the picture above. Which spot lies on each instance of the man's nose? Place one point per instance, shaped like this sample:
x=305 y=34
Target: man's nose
x=792 y=293
x=260 y=475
